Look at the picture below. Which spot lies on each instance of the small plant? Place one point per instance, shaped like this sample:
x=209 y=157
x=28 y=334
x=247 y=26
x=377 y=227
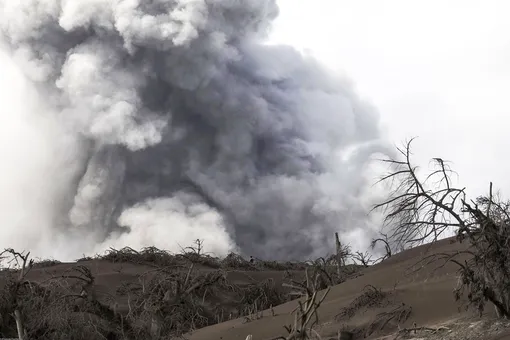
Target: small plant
x=365 y=259
x=397 y=316
x=305 y=314
x=384 y=240
x=369 y=297
x=253 y=313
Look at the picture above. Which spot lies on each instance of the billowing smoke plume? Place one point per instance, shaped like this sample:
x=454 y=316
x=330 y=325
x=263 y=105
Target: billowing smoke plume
x=183 y=124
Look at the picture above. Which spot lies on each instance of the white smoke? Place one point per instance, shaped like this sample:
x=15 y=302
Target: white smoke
x=159 y=122
x=39 y=163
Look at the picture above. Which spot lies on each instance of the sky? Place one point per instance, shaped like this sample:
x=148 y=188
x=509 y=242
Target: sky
x=433 y=69
x=439 y=70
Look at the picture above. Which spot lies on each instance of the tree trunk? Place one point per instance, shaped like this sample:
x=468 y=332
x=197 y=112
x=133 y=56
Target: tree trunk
x=339 y=255
x=19 y=325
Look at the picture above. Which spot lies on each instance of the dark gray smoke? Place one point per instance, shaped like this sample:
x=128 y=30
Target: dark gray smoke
x=188 y=125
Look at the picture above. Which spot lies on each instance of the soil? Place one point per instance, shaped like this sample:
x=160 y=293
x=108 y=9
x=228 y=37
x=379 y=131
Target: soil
x=424 y=292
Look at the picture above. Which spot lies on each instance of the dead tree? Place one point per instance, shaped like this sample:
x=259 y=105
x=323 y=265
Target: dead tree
x=423 y=210
x=339 y=254
x=18 y=261
x=416 y=213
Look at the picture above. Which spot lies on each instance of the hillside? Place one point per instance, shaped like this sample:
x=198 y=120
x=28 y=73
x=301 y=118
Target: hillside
x=371 y=303
x=427 y=292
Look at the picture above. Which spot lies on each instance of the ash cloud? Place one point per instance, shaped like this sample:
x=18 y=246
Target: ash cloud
x=187 y=125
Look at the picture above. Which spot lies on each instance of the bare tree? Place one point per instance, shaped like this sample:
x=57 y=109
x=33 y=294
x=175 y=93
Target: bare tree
x=18 y=261
x=420 y=211
x=415 y=212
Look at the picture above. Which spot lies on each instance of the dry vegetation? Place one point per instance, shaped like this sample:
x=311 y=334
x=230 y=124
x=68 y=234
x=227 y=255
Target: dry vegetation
x=180 y=293
x=305 y=314
x=369 y=297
